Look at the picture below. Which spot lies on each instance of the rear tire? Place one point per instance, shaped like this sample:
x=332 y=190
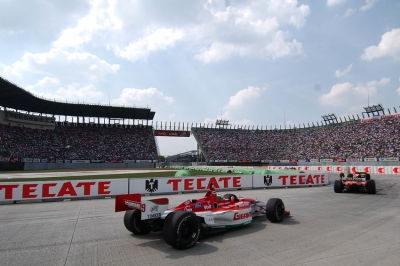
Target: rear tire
x=181 y=229
x=133 y=222
x=371 y=188
x=367 y=177
x=275 y=210
x=338 y=186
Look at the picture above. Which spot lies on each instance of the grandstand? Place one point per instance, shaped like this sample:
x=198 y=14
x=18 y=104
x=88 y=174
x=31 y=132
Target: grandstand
x=32 y=131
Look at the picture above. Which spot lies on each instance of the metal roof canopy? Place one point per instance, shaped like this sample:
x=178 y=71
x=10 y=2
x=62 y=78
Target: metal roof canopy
x=12 y=96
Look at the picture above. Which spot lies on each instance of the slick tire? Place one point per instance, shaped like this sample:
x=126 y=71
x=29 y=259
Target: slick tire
x=371 y=187
x=134 y=223
x=338 y=186
x=181 y=229
x=367 y=177
x=275 y=210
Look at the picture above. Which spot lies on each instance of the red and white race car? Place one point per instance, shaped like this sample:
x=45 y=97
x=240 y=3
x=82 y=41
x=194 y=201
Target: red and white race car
x=182 y=225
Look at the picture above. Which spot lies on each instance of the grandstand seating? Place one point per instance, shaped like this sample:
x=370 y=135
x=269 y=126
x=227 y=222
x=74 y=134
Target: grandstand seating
x=376 y=138
x=79 y=142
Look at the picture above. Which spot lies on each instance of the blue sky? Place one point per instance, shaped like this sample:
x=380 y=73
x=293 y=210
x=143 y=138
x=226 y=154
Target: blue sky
x=254 y=63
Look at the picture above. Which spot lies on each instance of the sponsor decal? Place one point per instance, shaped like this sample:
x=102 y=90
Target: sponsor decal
x=187 y=202
x=198 y=205
x=55 y=189
x=135 y=205
x=238 y=216
x=268 y=180
x=302 y=179
x=154 y=208
x=202 y=183
x=207 y=207
x=151 y=185
x=245 y=204
x=188 y=209
x=153 y=215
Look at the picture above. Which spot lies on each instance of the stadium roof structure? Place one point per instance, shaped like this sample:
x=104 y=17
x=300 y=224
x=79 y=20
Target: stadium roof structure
x=13 y=96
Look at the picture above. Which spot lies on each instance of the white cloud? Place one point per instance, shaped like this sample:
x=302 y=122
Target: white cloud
x=389 y=46
x=101 y=17
x=278 y=47
x=334 y=2
x=159 y=39
x=141 y=98
x=74 y=65
x=368 y=4
x=338 y=95
x=398 y=91
x=243 y=97
x=339 y=73
x=258 y=29
x=49 y=88
x=344 y=94
x=220 y=51
x=244 y=28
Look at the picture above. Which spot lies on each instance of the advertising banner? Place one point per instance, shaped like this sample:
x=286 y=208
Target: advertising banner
x=187 y=184
x=10 y=191
x=172 y=133
x=389 y=159
x=287 y=180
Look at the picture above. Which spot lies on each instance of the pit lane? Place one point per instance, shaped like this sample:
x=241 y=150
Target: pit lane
x=325 y=229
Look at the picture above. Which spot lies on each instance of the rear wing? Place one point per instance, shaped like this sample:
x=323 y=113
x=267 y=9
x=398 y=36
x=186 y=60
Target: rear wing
x=150 y=209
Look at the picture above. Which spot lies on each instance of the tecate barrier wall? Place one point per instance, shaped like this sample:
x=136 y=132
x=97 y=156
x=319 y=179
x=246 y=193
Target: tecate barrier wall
x=17 y=191
x=378 y=170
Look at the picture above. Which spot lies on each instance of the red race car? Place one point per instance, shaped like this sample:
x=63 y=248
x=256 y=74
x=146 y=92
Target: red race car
x=356 y=181
x=182 y=225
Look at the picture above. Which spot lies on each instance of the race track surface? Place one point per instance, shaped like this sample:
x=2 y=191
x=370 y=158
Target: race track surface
x=325 y=229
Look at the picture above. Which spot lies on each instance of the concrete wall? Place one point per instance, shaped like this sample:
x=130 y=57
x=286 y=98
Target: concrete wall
x=352 y=164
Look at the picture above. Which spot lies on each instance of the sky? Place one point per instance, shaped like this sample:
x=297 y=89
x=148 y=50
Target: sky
x=265 y=64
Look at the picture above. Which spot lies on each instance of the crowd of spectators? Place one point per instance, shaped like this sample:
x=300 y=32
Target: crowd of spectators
x=376 y=138
x=79 y=143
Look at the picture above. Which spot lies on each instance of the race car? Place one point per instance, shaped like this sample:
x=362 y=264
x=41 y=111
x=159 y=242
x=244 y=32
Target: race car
x=182 y=225
x=356 y=181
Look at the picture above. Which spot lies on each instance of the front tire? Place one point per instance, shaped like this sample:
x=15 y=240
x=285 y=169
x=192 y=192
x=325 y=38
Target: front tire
x=181 y=229
x=275 y=210
x=133 y=222
x=338 y=186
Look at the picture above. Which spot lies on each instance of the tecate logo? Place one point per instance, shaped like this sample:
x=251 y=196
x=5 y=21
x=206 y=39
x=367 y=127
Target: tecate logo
x=238 y=216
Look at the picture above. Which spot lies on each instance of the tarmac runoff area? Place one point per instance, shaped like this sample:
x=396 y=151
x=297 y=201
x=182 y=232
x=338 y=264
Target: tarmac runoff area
x=325 y=228
x=74 y=173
